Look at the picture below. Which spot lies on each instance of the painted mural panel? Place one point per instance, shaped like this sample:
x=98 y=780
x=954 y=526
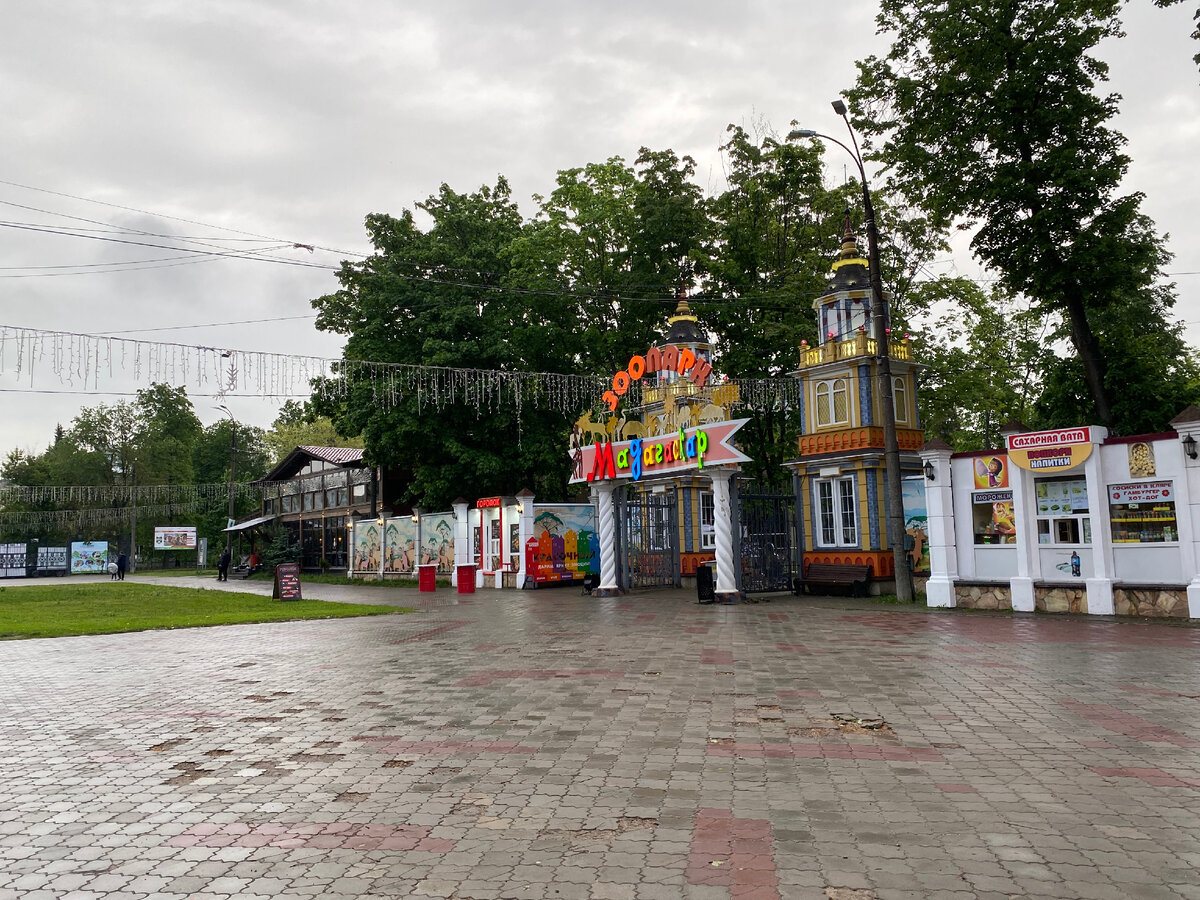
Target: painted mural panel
x=916 y=519
x=366 y=547
x=399 y=545
x=564 y=546
x=437 y=541
x=89 y=557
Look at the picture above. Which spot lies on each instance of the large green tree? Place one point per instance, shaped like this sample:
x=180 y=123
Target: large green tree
x=424 y=298
x=986 y=114
x=984 y=360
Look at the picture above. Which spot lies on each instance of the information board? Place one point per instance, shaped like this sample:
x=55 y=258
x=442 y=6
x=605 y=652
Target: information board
x=175 y=537
x=287 y=582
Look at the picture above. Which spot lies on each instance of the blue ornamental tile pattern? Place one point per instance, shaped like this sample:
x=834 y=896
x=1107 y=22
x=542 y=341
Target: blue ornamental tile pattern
x=873 y=507
x=689 y=541
x=916 y=381
x=864 y=395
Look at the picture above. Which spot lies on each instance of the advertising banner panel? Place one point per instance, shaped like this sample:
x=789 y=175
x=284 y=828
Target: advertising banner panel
x=437 y=541
x=991 y=472
x=399 y=545
x=916 y=522
x=174 y=537
x=564 y=546
x=366 y=547
x=1050 y=451
x=1141 y=492
x=89 y=557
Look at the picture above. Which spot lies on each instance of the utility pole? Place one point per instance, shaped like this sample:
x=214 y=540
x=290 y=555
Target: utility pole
x=132 y=564
x=232 y=464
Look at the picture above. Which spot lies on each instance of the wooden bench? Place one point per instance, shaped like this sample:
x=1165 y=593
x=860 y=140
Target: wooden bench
x=855 y=578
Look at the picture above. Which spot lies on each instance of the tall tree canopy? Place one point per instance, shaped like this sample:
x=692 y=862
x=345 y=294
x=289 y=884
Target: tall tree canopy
x=986 y=114
x=578 y=289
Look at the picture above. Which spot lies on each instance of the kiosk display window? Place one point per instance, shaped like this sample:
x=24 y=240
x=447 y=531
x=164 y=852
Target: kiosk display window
x=992 y=518
x=1063 y=511
x=1143 y=512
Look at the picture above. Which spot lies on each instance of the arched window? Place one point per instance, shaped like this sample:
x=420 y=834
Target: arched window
x=832 y=401
x=824 y=413
x=841 y=403
x=900 y=399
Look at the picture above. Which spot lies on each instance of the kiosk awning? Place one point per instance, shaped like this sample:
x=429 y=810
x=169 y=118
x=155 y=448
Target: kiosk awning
x=249 y=523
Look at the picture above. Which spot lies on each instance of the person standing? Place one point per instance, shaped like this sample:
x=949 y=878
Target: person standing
x=122 y=565
x=223 y=565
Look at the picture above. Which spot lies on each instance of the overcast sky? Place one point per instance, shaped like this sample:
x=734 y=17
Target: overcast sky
x=293 y=120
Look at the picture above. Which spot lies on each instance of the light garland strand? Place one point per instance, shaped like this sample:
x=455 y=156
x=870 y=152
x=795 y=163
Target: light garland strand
x=122 y=493
x=62 y=518
x=86 y=361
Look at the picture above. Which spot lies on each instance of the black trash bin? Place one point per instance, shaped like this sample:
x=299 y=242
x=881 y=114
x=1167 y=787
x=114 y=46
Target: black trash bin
x=705 y=584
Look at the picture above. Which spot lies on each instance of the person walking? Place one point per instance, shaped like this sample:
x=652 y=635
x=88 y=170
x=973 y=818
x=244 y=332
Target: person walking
x=122 y=565
x=223 y=565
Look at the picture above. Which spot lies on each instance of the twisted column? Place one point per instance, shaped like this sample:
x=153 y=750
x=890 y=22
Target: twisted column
x=606 y=532
x=726 y=588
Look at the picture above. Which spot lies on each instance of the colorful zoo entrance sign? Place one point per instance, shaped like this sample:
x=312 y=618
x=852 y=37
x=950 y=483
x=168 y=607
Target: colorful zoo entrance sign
x=658 y=359
x=691 y=448
x=1042 y=451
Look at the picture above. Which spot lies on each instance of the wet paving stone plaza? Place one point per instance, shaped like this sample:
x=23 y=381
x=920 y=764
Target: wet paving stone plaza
x=547 y=745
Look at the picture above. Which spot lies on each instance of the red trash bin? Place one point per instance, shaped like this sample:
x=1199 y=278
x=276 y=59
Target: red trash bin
x=426 y=576
x=466 y=579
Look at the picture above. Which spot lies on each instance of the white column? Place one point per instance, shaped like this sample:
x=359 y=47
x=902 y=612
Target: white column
x=1028 y=559
x=939 y=508
x=606 y=532
x=462 y=537
x=1187 y=513
x=525 y=532
x=726 y=588
x=1100 y=582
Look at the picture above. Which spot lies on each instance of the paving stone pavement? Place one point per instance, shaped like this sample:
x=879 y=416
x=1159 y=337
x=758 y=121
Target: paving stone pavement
x=545 y=745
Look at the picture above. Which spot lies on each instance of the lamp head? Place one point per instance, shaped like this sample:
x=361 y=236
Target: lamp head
x=1189 y=447
x=796 y=133
x=839 y=107
x=930 y=471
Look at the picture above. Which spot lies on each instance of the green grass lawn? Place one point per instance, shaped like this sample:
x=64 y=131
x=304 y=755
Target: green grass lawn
x=108 y=607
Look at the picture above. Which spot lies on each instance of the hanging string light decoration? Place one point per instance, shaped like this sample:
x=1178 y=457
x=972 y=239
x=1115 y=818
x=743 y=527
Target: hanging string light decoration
x=96 y=516
x=121 y=493
x=88 y=361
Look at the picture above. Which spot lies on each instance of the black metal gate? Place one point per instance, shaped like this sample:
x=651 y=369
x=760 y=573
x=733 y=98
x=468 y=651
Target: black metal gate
x=649 y=536
x=769 y=539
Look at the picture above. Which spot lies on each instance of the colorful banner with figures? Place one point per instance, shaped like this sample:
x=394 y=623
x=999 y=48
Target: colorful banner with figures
x=437 y=541
x=916 y=523
x=366 y=547
x=991 y=471
x=399 y=545
x=89 y=557
x=564 y=546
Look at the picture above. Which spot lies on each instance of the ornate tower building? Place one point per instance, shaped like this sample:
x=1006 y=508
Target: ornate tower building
x=840 y=472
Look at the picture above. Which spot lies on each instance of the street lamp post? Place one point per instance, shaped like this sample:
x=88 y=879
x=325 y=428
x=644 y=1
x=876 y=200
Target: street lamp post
x=891 y=446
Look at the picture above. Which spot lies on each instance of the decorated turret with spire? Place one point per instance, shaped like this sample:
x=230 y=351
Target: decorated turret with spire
x=845 y=309
x=840 y=462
